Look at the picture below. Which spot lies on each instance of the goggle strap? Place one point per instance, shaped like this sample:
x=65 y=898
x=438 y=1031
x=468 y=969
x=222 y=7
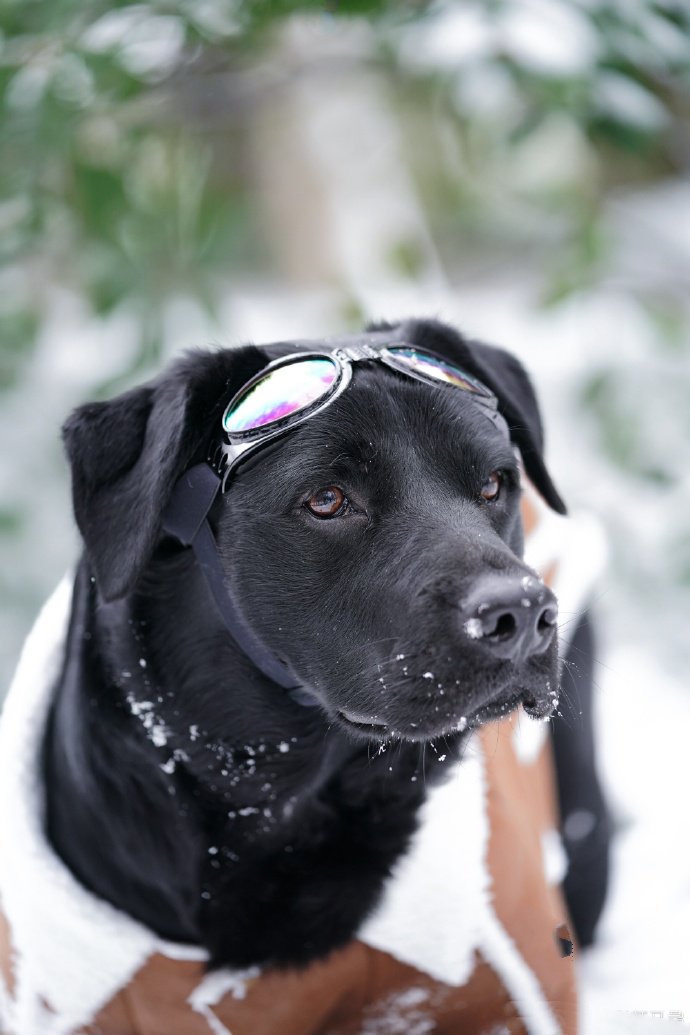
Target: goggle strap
x=186 y=519
x=190 y=503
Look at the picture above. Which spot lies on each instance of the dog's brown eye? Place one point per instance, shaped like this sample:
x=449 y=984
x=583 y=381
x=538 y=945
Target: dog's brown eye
x=492 y=486
x=328 y=502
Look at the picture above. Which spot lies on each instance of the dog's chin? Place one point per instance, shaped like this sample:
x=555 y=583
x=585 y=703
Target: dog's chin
x=540 y=708
x=367 y=729
x=424 y=729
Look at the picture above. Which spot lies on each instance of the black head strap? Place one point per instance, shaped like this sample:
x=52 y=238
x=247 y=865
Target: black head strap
x=186 y=519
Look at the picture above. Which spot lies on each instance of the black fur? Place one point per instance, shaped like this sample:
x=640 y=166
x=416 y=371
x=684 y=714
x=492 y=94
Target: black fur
x=182 y=785
x=579 y=791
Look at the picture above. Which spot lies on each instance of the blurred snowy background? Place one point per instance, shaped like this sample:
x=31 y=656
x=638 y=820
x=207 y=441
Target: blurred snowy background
x=186 y=172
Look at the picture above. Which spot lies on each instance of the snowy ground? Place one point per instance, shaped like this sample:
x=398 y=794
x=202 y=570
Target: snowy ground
x=642 y=960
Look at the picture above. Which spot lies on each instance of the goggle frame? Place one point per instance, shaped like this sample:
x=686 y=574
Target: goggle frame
x=236 y=446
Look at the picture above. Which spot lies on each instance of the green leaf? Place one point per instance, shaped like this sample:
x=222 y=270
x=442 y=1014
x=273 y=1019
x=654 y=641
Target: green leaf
x=18 y=330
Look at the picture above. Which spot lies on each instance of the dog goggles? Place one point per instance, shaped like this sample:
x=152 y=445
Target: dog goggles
x=283 y=395
x=291 y=390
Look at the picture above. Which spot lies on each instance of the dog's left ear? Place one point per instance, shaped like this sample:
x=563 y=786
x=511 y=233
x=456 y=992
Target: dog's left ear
x=507 y=379
x=127 y=453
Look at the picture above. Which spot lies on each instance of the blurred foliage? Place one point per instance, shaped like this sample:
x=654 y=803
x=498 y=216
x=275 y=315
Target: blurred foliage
x=125 y=175
x=538 y=112
x=622 y=435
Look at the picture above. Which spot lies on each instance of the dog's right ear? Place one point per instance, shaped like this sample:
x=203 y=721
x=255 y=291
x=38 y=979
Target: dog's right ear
x=508 y=380
x=127 y=453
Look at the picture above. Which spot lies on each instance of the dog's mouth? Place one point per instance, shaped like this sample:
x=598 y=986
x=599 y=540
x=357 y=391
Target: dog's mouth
x=370 y=727
x=374 y=728
x=540 y=708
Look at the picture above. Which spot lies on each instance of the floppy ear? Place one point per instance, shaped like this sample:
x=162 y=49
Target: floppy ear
x=506 y=377
x=126 y=455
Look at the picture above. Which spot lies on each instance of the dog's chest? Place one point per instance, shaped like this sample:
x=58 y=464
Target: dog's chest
x=300 y=886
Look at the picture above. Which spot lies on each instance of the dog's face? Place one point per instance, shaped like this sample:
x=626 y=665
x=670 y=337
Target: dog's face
x=376 y=547
x=364 y=545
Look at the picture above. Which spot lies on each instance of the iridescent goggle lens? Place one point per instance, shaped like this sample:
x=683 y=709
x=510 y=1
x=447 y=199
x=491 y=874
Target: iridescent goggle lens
x=280 y=394
x=436 y=369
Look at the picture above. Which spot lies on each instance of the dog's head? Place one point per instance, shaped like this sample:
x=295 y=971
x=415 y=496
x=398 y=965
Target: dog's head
x=376 y=547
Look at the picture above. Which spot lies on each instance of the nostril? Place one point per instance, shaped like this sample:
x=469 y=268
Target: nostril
x=509 y=619
x=547 y=619
x=504 y=628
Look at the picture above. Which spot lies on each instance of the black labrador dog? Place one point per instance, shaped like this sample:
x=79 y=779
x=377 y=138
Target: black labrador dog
x=370 y=546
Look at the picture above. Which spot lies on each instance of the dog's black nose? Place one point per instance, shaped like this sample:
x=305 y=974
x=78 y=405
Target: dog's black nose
x=513 y=617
